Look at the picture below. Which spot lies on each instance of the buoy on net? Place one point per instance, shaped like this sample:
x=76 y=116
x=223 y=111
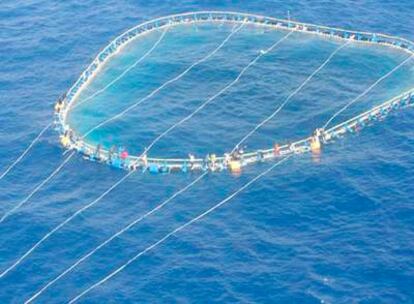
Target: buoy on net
x=65 y=141
x=315 y=145
x=235 y=166
x=154 y=168
x=276 y=150
x=58 y=107
x=124 y=154
x=315 y=141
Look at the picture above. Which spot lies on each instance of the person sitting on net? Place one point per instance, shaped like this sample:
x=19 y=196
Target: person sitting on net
x=144 y=159
x=237 y=153
x=192 y=160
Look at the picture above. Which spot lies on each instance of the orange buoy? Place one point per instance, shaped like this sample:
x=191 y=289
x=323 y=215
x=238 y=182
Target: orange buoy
x=235 y=166
x=315 y=145
x=65 y=141
x=276 y=150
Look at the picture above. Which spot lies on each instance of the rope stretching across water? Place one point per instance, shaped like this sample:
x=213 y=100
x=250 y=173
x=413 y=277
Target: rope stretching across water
x=178 y=229
x=251 y=63
x=50 y=233
x=27 y=198
x=18 y=160
x=87 y=99
x=124 y=72
x=133 y=223
x=179 y=76
x=298 y=89
x=367 y=90
x=50 y=124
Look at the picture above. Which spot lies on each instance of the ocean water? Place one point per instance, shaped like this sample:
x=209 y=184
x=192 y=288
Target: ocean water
x=334 y=231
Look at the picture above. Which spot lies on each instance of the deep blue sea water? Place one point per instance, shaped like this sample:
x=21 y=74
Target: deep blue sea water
x=336 y=231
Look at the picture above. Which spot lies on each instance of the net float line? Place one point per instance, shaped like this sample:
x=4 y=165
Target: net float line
x=120 y=159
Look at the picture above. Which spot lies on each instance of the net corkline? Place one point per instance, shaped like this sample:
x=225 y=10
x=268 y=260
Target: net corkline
x=121 y=159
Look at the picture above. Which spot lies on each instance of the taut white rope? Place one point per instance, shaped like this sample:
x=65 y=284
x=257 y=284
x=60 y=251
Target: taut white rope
x=124 y=72
x=179 y=76
x=129 y=226
x=217 y=94
x=167 y=236
x=26 y=199
x=367 y=90
x=51 y=232
x=25 y=151
x=298 y=89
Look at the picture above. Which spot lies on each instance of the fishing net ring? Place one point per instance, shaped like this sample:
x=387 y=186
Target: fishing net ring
x=233 y=161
